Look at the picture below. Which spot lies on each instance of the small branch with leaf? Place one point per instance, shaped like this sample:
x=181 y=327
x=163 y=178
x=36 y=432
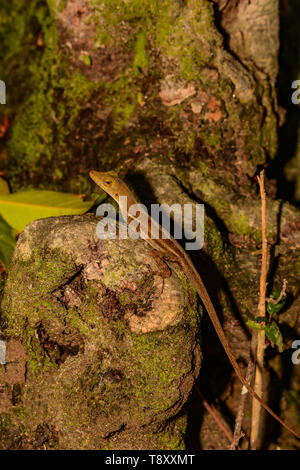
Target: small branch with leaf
x=266 y=321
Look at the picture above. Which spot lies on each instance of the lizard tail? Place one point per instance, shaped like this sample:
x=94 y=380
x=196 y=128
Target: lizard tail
x=201 y=289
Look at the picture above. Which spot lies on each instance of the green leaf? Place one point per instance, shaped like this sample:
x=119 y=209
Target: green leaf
x=254 y=325
x=7 y=242
x=19 y=209
x=272 y=308
x=274 y=334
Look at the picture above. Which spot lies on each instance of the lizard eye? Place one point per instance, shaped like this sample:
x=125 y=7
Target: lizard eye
x=108 y=182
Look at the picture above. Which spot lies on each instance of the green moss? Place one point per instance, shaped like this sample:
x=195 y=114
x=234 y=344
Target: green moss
x=190 y=140
x=174 y=37
x=20 y=58
x=240 y=223
x=9 y=433
x=269 y=135
x=45 y=272
x=41 y=87
x=212 y=138
x=48 y=117
x=170 y=29
x=85 y=326
x=151 y=359
x=216 y=249
x=37 y=362
x=141 y=60
x=190 y=301
x=202 y=168
x=122 y=96
x=62 y=4
x=297 y=266
x=173 y=438
x=5 y=420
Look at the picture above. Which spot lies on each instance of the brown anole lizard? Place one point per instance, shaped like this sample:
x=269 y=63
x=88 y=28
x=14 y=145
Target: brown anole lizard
x=171 y=249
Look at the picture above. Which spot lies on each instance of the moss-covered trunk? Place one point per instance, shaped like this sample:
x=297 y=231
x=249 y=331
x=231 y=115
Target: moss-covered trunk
x=91 y=83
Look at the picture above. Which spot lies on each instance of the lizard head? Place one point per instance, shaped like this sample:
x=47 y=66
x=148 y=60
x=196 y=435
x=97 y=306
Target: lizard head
x=109 y=182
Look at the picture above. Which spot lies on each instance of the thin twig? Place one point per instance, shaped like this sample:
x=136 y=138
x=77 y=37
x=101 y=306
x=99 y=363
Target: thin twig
x=282 y=294
x=258 y=383
x=213 y=412
x=238 y=433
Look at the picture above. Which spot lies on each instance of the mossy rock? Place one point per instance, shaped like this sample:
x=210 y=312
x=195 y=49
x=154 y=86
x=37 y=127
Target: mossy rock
x=110 y=344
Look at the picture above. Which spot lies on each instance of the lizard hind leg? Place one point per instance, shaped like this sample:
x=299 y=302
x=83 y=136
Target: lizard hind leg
x=164 y=269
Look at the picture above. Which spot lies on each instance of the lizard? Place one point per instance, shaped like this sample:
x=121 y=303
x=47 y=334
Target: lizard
x=170 y=249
